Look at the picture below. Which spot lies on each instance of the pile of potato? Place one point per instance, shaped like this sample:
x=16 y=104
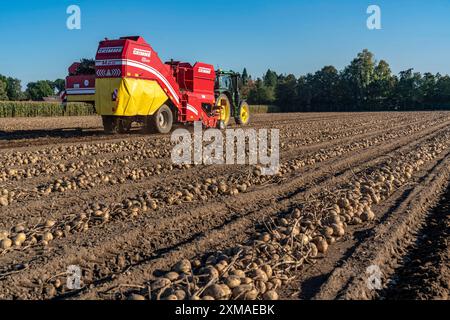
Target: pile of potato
x=259 y=268
x=353 y=206
x=17 y=165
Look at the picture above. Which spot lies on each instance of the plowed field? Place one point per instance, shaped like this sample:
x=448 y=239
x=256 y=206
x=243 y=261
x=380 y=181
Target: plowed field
x=359 y=210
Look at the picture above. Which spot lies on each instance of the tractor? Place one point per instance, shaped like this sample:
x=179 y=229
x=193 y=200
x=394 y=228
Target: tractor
x=131 y=84
x=228 y=99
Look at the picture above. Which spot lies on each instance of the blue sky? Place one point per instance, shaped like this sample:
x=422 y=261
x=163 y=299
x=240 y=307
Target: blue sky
x=287 y=36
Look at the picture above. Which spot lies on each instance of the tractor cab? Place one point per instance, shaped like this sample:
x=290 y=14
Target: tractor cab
x=228 y=98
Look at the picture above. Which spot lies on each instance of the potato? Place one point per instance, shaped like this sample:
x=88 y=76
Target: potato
x=265 y=237
x=260 y=286
x=258 y=274
x=180 y=294
x=4 y=201
x=356 y=221
x=270 y=295
x=268 y=270
x=160 y=283
x=238 y=273
x=276 y=282
x=221 y=265
x=48 y=236
x=331 y=240
x=211 y=272
x=20 y=238
x=226 y=289
x=216 y=291
x=367 y=215
x=338 y=230
x=50 y=223
x=321 y=244
x=183 y=266
x=136 y=297
x=241 y=291
x=98 y=213
x=6 y=243
x=4 y=234
x=303 y=239
x=327 y=231
x=172 y=276
x=246 y=280
x=233 y=281
x=19 y=228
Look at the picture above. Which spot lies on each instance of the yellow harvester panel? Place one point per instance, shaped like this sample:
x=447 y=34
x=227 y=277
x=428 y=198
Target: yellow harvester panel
x=135 y=97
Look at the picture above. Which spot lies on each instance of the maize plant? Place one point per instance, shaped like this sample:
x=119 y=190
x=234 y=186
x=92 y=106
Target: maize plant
x=43 y=109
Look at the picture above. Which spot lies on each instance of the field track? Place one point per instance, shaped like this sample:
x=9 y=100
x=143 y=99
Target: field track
x=117 y=207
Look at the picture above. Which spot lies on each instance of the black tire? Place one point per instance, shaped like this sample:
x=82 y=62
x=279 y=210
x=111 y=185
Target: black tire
x=124 y=124
x=161 y=121
x=228 y=113
x=243 y=106
x=110 y=124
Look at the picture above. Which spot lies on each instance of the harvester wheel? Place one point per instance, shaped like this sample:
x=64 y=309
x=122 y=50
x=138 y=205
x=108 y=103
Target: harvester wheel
x=243 y=115
x=110 y=124
x=161 y=121
x=224 y=107
x=124 y=125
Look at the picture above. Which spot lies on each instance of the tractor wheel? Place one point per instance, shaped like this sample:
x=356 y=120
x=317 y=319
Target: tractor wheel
x=110 y=124
x=243 y=115
x=161 y=121
x=124 y=125
x=224 y=107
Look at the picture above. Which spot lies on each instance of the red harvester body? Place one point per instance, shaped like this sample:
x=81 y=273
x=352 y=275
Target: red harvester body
x=132 y=82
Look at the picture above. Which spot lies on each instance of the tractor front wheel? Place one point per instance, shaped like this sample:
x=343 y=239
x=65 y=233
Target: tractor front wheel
x=243 y=115
x=161 y=121
x=223 y=105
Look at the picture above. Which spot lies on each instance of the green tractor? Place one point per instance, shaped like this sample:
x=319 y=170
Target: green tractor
x=228 y=99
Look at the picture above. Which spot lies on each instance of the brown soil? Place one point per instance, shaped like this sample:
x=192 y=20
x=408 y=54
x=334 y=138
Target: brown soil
x=319 y=152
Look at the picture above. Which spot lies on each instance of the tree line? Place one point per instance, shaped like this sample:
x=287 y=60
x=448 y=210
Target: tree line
x=364 y=85
x=11 y=89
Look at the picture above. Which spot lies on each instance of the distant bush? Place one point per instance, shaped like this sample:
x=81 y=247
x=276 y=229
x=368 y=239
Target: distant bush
x=264 y=109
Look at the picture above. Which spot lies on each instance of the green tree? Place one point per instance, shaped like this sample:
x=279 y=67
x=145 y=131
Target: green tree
x=286 y=92
x=407 y=91
x=380 y=90
x=443 y=90
x=356 y=79
x=261 y=94
x=270 y=79
x=36 y=91
x=3 y=93
x=14 y=89
x=324 y=89
x=59 y=85
x=428 y=89
x=245 y=77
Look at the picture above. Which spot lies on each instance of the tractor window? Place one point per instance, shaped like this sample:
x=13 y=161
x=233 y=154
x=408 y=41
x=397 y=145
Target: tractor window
x=224 y=82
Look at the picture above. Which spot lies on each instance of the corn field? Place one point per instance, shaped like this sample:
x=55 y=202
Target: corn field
x=43 y=109
x=11 y=109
